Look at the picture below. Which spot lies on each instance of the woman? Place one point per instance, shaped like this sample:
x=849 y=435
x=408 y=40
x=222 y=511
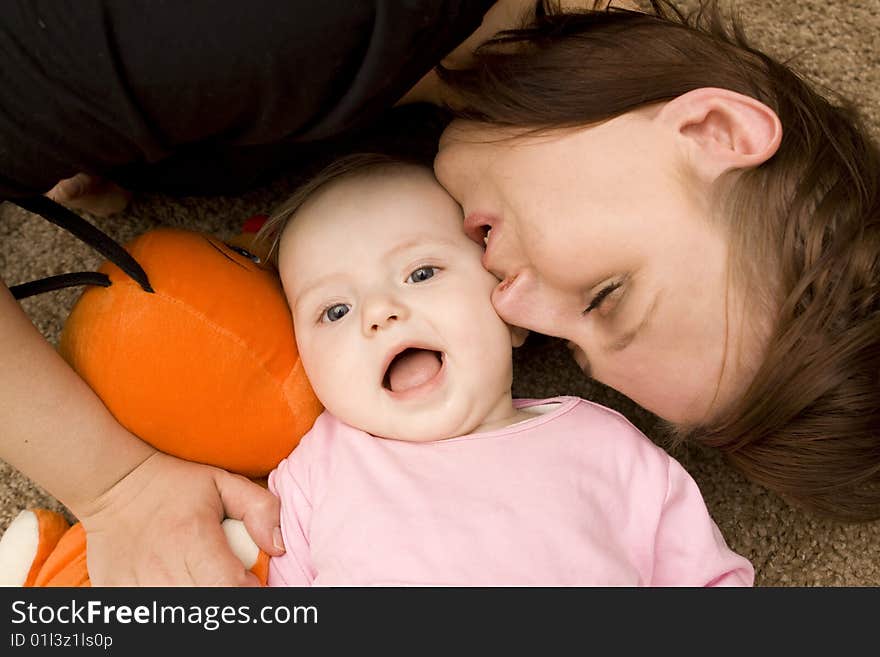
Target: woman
x=700 y=225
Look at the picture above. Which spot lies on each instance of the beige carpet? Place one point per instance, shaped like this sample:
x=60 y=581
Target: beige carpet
x=837 y=43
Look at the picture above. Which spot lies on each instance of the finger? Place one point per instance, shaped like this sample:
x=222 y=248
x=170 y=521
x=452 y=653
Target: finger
x=70 y=188
x=258 y=508
x=90 y=193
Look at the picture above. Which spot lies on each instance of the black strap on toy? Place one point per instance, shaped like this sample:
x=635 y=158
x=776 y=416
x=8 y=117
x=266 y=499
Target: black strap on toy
x=91 y=235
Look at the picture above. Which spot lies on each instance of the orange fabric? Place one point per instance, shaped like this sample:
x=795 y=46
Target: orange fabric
x=261 y=568
x=66 y=566
x=206 y=368
x=50 y=527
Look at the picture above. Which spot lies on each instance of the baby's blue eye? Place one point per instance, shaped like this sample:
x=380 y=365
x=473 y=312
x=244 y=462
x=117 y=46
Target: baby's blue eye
x=335 y=312
x=421 y=274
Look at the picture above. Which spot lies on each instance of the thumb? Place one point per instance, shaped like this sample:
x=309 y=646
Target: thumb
x=256 y=507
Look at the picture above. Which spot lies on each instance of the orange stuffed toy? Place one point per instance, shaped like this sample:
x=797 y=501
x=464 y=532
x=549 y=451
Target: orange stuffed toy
x=205 y=367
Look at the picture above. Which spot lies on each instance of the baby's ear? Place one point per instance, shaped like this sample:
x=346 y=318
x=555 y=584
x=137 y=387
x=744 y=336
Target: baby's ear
x=518 y=335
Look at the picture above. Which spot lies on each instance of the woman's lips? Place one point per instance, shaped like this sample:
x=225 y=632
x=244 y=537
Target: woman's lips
x=505 y=284
x=507 y=297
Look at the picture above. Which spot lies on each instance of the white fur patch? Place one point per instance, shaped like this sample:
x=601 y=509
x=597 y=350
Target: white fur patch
x=241 y=542
x=18 y=548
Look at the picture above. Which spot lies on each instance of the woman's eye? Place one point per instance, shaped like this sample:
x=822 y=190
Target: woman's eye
x=335 y=312
x=605 y=299
x=421 y=274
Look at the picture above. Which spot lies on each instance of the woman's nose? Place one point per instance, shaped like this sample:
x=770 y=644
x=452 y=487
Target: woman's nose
x=380 y=312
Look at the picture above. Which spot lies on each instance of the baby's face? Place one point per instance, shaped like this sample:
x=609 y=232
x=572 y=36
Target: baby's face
x=391 y=306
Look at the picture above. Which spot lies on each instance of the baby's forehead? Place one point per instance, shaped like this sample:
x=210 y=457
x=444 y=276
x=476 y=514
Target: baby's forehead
x=367 y=216
x=388 y=252
x=392 y=208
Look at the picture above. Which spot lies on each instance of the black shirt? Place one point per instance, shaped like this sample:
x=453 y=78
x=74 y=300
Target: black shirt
x=203 y=96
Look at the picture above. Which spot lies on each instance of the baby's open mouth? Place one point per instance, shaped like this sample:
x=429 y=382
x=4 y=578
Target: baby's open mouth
x=411 y=368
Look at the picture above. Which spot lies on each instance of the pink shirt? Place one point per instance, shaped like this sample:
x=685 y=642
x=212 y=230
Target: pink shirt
x=576 y=496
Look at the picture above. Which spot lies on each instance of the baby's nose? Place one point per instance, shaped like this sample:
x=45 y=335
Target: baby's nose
x=382 y=322
x=381 y=312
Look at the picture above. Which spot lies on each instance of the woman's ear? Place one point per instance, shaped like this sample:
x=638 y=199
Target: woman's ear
x=518 y=335
x=722 y=130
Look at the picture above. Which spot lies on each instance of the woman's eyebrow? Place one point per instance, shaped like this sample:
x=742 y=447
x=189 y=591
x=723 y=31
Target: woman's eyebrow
x=625 y=339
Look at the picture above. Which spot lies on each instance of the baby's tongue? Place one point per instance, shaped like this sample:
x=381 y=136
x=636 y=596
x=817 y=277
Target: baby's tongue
x=412 y=368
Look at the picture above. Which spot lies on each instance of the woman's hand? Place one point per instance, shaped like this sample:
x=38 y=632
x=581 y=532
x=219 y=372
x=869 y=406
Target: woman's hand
x=503 y=15
x=513 y=14
x=160 y=526
x=93 y=194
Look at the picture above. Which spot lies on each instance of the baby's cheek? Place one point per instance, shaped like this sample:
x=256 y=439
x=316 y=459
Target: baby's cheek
x=487 y=280
x=317 y=366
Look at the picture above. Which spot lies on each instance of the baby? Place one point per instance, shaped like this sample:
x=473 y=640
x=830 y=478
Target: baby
x=423 y=470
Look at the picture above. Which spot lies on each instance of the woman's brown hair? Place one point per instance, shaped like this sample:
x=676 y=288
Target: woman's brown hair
x=804 y=227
